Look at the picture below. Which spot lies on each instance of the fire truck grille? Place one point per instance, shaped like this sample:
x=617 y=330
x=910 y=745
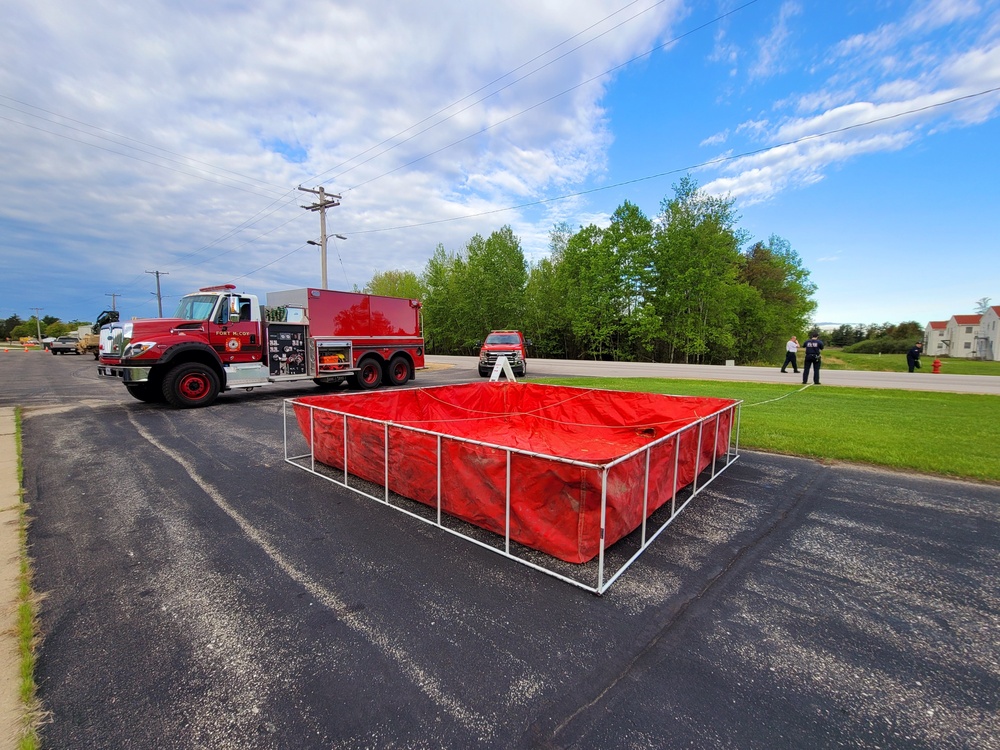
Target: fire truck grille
x=115 y=339
x=513 y=357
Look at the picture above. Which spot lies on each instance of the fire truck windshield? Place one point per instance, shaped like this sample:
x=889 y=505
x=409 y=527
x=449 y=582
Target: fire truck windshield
x=196 y=306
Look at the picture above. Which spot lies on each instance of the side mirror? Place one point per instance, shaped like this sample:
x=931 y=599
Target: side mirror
x=234 y=317
x=527 y=342
x=477 y=345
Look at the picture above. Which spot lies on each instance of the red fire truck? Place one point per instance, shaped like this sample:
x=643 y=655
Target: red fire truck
x=220 y=339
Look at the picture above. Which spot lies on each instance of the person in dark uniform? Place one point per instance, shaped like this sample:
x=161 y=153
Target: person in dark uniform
x=913 y=356
x=813 y=348
x=790 y=348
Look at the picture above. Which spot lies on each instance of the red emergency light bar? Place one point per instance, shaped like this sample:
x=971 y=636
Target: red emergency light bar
x=219 y=288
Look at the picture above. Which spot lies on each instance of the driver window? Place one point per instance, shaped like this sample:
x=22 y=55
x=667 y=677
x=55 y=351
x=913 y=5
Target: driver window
x=228 y=306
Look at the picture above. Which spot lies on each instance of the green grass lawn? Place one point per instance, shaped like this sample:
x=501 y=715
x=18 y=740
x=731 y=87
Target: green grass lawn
x=948 y=434
x=837 y=359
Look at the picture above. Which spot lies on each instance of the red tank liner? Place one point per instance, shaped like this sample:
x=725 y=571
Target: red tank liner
x=555 y=504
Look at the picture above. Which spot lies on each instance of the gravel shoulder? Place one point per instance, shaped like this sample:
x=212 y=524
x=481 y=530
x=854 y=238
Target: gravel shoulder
x=11 y=714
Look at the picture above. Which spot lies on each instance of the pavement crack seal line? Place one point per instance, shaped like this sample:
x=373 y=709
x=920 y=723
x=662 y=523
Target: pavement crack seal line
x=427 y=683
x=783 y=513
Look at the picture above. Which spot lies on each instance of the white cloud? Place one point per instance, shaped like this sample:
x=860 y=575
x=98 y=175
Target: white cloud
x=773 y=51
x=895 y=111
x=936 y=14
x=715 y=140
x=239 y=104
x=760 y=176
x=753 y=128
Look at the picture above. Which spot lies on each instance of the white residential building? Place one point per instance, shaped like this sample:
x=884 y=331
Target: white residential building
x=989 y=333
x=934 y=335
x=962 y=336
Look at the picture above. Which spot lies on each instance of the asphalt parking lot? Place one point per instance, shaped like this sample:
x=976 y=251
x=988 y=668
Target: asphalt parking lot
x=202 y=593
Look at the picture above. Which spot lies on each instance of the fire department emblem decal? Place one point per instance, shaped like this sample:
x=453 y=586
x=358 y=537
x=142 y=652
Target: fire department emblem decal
x=233 y=345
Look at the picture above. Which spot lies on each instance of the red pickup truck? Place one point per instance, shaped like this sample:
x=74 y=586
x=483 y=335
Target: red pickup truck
x=509 y=344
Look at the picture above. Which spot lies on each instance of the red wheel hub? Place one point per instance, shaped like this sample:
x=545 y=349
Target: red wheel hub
x=193 y=387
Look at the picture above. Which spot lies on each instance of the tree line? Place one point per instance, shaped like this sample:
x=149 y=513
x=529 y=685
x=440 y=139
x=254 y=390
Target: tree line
x=14 y=328
x=680 y=287
x=877 y=338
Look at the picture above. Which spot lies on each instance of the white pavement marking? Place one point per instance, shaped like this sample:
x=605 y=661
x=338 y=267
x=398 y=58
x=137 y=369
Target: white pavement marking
x=429 y=684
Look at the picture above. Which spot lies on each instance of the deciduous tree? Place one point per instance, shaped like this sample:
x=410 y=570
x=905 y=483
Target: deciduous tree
x=396 y=283
x=695 y=263
x=778 y=302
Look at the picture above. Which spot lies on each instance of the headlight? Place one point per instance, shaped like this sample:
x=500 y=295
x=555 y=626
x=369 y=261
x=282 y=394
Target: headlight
x=483 y=356
x=137 y=348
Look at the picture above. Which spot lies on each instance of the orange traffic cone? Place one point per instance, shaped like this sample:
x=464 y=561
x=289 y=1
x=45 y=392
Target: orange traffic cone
x=25 y=348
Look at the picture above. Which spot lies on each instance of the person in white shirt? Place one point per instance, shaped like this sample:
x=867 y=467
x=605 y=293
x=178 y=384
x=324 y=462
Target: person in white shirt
x=790 y=349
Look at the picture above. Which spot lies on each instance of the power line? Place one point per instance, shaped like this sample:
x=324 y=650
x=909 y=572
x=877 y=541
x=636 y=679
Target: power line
x=678 y=170
x=120 y=136
x=136 y=158
x=646 y=178
x=284 y=203
x=279 y=203
x=482 y=88
x=507 y=119
x=487 y=85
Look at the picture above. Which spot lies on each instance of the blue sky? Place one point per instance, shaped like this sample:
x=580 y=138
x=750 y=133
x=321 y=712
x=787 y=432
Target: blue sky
x=171 y=136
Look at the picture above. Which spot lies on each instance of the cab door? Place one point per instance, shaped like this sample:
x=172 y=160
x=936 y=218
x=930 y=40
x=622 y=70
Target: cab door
x=234 y=330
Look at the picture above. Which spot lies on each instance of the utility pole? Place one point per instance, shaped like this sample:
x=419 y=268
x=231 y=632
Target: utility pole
x=159 y=299
x=113 y=295
x=38 y=322
x=326 y=200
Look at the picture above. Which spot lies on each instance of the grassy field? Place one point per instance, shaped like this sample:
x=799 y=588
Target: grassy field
x=837 y=359
x=947 y=434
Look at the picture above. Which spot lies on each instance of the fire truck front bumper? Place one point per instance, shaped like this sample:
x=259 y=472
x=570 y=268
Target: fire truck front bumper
x=125 y=374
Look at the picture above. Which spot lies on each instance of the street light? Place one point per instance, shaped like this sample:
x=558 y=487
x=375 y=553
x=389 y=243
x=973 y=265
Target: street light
x=322 y=246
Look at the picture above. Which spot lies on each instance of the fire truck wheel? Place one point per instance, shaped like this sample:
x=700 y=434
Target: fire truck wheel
x=148 y=393
x=399 y=371
x=190 y=385
x=370 y=374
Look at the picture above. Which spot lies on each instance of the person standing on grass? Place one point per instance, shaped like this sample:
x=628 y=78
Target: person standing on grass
x=813 y=348
x=790 y=349
x=913 y=356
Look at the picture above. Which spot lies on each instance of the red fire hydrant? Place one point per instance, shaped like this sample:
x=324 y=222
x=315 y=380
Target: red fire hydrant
x=936 y=366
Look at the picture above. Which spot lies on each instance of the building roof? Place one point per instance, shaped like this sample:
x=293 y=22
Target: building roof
x=967 y=320
x=938 y=324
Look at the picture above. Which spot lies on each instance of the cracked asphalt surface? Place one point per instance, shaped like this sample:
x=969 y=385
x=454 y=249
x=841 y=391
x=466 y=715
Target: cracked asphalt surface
x=202 y=593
